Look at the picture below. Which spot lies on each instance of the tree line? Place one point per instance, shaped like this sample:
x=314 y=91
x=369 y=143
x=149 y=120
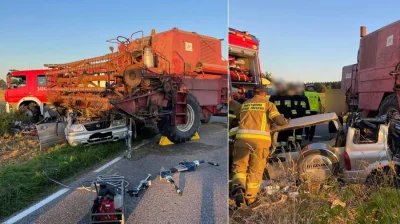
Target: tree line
x=3 y=84
x=321 y=87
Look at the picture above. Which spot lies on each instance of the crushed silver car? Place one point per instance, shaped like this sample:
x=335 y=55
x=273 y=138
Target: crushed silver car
x=95 y=132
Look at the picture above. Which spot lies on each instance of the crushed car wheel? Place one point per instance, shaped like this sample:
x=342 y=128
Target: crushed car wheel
x=182 y=132
x=390 y=102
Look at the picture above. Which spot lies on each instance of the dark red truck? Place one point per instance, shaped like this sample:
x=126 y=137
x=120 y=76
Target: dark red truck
x=370 y=83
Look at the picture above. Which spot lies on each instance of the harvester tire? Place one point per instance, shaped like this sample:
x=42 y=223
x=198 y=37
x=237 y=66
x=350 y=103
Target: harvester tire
x=182 y=133
x=390 y=102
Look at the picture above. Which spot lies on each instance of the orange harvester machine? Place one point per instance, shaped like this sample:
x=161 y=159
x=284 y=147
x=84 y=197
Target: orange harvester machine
x=145 y=75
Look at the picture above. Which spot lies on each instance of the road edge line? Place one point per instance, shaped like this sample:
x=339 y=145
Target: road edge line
x=35 y=207
x=107 y=164
x=57 y=194
x=118 y=158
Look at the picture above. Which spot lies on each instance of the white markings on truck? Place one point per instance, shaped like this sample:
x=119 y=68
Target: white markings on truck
x=188 y=46
x=389 y=41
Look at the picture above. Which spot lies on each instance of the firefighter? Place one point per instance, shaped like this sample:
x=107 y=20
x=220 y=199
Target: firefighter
x=252 y=144
x=315 y=108
x=293 y=111
x=302 y=108
x=234 y=113
x=283 y=103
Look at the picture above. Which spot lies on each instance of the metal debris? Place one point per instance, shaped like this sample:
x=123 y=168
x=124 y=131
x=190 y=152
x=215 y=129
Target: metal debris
x=337 y=202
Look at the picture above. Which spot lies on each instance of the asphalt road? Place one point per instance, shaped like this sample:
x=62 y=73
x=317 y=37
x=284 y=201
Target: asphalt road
x=204 y=197
x=321 y=133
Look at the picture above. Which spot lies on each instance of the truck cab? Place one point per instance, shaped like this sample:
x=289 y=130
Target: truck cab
x=26 y=90
x=244 y=63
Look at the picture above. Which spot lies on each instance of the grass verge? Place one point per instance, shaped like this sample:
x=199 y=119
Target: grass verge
x=363 y=204
x=23 y=184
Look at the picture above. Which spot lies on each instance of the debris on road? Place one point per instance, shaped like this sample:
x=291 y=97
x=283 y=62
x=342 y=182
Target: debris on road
x=182 y=167
x=143 y=184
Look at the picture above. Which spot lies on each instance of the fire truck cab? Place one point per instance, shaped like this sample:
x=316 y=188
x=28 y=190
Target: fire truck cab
x=26 y=91
x=244 y=64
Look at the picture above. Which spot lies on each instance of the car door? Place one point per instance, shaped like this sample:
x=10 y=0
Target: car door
x=51 y=134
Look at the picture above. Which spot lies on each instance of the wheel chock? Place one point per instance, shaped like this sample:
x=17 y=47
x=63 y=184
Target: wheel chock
x=164 y=141
x=196 y=136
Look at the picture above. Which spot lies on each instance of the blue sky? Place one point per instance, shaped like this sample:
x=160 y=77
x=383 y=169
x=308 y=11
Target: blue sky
x=33 y=33
x=310 y=40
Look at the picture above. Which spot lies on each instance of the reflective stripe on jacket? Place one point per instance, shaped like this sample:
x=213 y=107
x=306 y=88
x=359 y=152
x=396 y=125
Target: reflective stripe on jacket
x=313 y=100
x=256 y=117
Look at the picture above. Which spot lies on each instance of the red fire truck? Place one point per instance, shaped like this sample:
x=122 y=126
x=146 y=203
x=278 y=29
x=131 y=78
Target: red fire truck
x=244 y=63
x=26 y=91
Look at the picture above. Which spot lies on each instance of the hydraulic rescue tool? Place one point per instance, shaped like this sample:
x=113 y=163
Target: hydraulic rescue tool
x=108 y=204
x=182 y=167
x=144 y=184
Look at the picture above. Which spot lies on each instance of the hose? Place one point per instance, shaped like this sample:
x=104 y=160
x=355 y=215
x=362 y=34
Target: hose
x=108 y=178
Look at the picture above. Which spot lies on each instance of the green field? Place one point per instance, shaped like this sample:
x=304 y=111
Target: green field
x=2 y=95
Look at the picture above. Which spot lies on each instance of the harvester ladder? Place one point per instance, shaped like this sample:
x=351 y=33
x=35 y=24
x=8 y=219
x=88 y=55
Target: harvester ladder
x=180 y=106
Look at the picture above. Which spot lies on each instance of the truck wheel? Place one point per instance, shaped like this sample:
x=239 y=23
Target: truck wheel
x=318 y=165
x=183 y=132
x=390 y=102
x=206 y=115
x=31 y=110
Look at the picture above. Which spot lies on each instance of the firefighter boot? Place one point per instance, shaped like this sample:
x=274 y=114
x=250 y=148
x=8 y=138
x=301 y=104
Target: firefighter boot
x=240 y=165
x=257 y=166
x=238 y=195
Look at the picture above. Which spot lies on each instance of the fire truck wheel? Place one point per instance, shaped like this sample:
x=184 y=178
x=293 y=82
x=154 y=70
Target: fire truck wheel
x=31 y=110
x=184 y=132
x=390 y=102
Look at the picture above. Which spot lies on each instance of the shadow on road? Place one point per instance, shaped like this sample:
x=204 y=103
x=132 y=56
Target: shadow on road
x=182 y=181
x=207 y=201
